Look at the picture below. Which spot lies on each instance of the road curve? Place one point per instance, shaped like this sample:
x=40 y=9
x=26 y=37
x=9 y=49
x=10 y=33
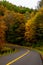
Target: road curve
x=24 y=58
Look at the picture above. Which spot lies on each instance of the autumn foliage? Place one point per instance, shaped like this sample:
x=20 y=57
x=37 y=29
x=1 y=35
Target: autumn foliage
x=23 y=28
x=34 y=28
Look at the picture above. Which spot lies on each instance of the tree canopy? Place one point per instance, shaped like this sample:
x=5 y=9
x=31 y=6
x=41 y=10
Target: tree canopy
x=20 y=25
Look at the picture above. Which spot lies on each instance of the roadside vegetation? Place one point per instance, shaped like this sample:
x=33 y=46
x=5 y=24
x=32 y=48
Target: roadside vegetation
x=7 y=51
x=39 y=49
x=22 y=26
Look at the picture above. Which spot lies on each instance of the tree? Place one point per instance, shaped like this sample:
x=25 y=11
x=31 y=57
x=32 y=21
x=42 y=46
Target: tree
x=15 y=8
x=16 y=27
x=40 y=4
x=34 y=29
x=3 y=27
x=39 y=26
x=2 y=33
x=30 y=31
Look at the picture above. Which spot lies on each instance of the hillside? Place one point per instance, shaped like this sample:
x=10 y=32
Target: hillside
x=20 y=25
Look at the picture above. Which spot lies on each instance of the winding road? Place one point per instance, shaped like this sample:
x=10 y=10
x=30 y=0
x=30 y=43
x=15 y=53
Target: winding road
x=23 y=57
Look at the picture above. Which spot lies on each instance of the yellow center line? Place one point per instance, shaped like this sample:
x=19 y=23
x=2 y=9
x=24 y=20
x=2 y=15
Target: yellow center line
x=18 y=58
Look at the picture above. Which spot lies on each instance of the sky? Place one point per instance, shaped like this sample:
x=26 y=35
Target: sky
x=25 y=3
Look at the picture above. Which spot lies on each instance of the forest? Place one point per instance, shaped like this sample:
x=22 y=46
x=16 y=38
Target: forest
x=20 y=25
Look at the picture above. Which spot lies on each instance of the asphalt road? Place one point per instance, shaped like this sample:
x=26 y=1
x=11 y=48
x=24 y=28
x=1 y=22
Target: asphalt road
x=31 y=58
